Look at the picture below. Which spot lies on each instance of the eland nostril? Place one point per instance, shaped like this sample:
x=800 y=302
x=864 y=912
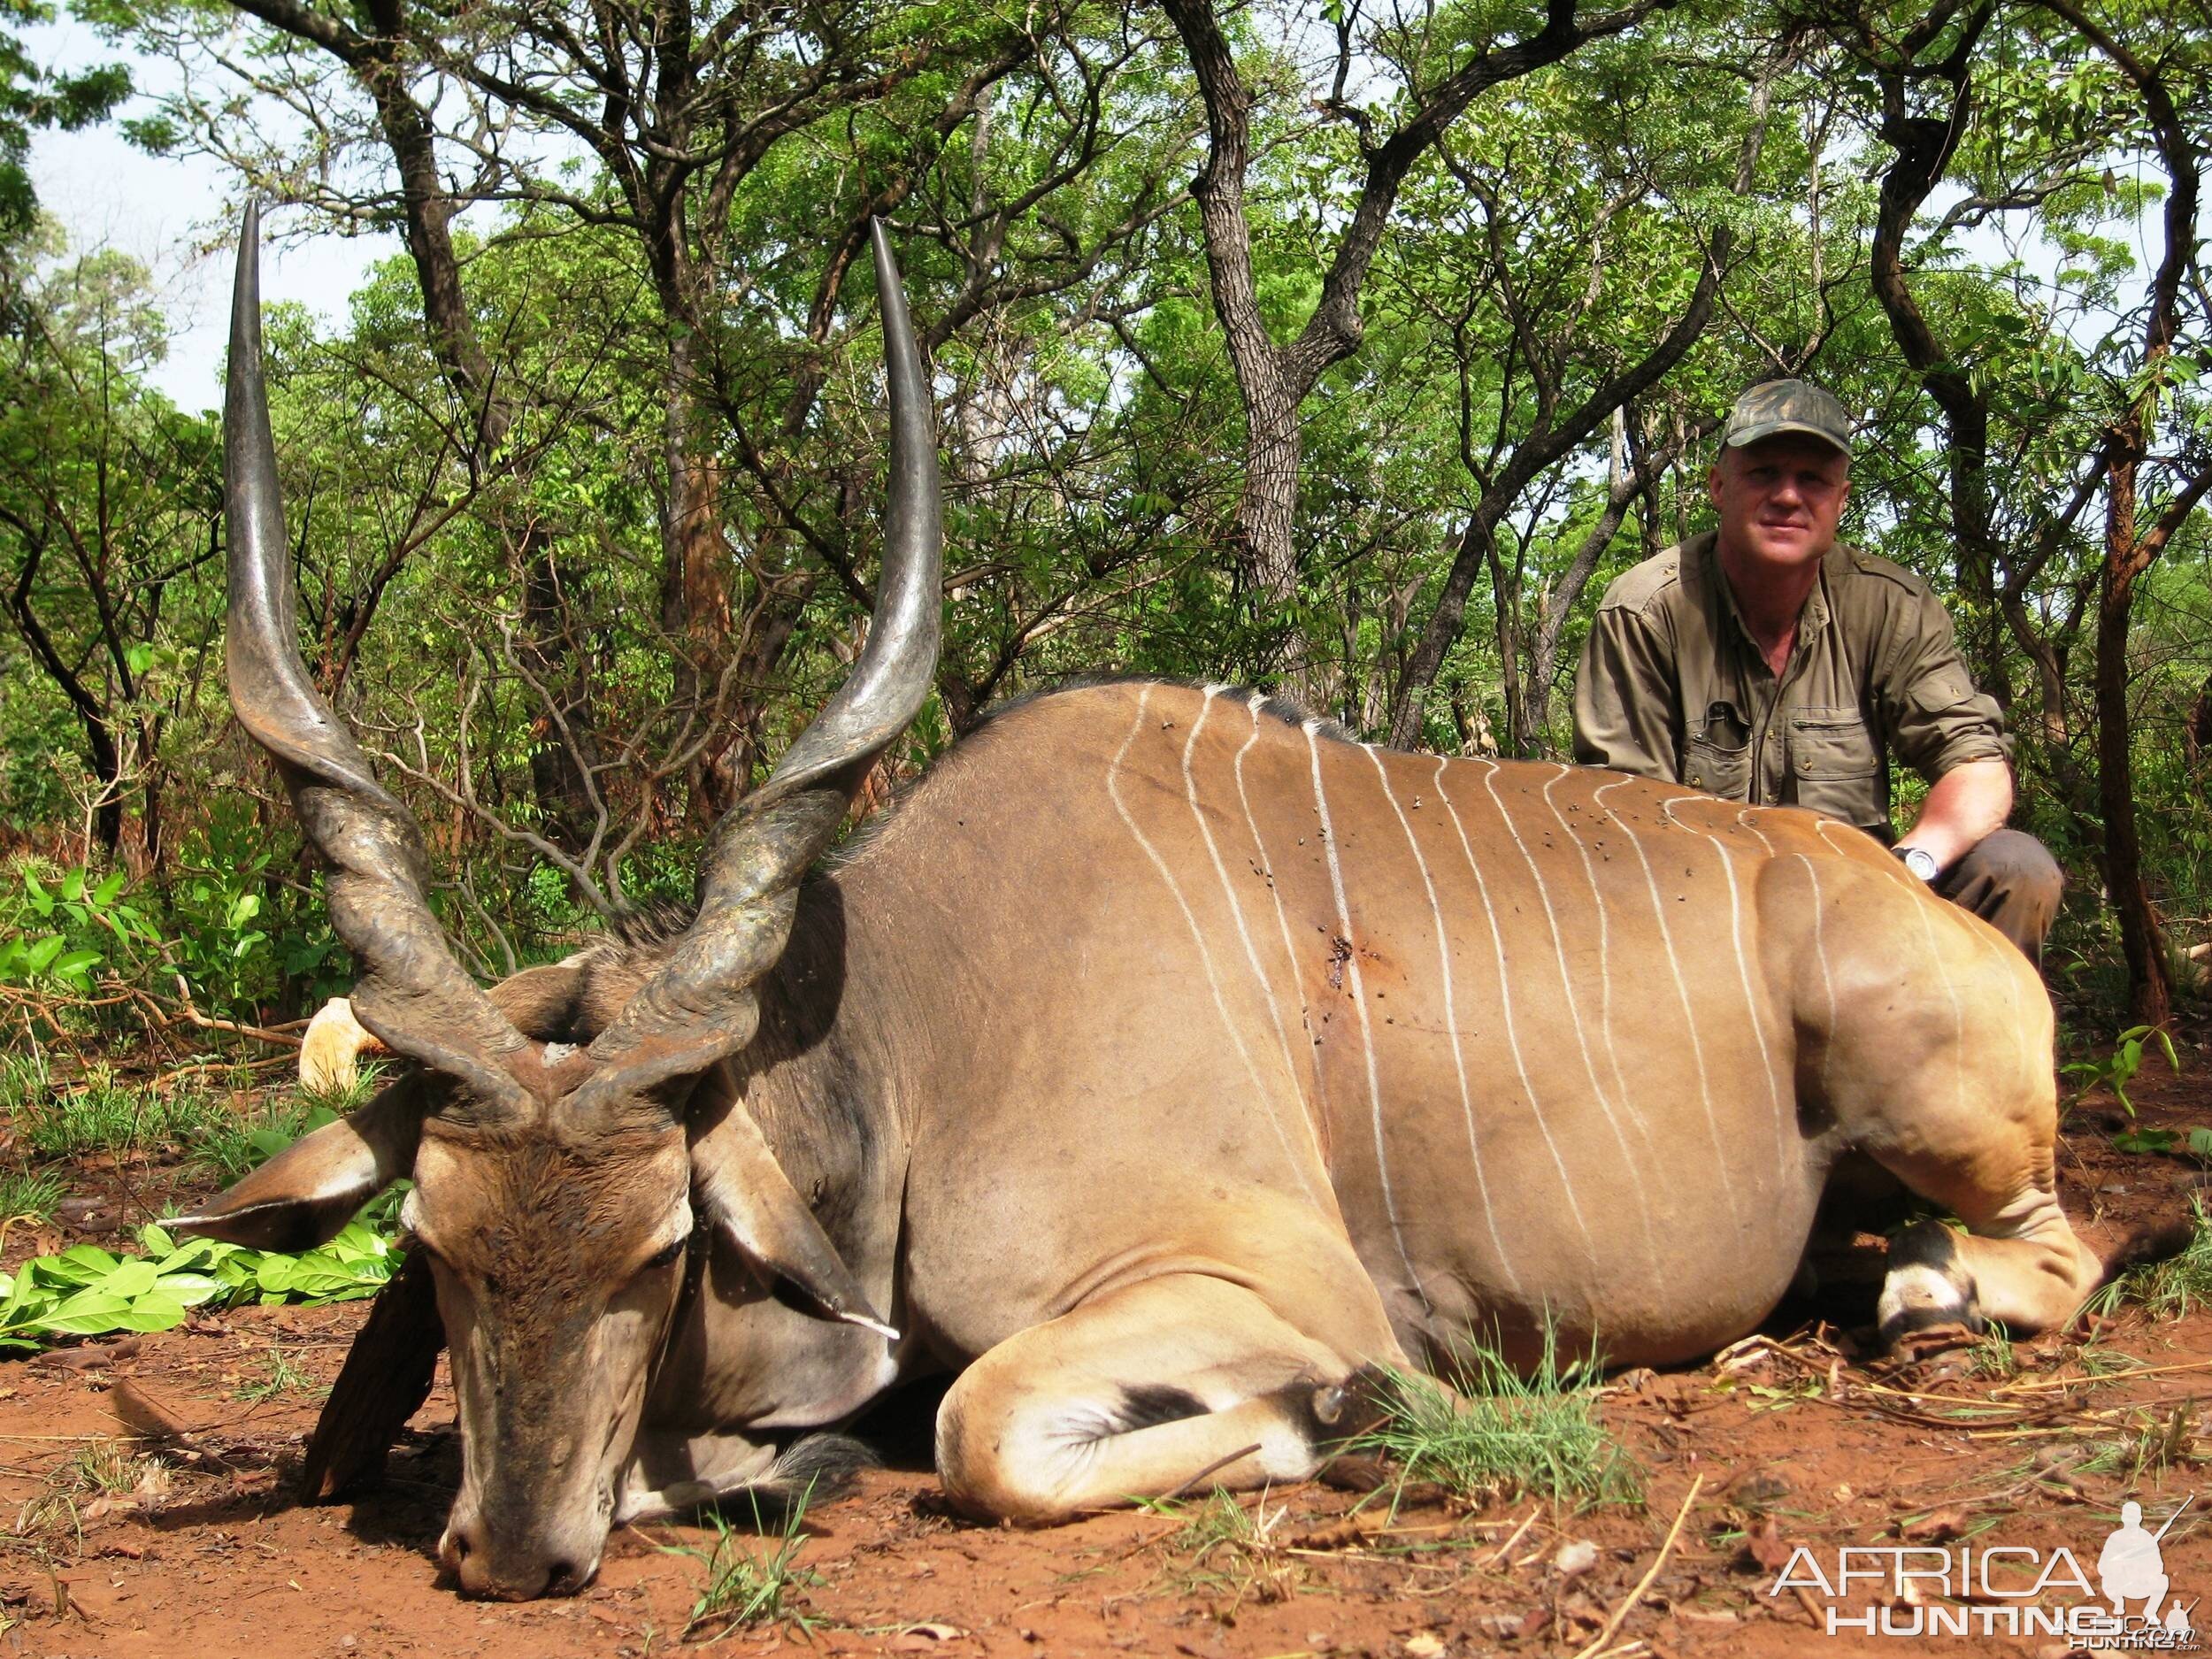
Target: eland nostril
x=565 y=1577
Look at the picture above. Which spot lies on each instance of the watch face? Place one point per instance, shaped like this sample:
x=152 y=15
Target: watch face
x=1920 y=861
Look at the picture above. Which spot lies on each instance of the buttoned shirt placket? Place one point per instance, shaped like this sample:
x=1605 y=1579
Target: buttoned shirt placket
x=1812 y=621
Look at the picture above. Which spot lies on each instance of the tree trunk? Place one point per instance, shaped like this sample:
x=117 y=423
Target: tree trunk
x=694 y=597
x=2142 y=938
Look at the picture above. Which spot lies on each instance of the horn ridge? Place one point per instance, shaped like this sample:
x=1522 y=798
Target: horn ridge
x=694 y=1010
x=415 y=998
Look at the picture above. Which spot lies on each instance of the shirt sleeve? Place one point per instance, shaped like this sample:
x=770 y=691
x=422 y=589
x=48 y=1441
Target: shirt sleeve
x=1625 y=698
x=1935 y=716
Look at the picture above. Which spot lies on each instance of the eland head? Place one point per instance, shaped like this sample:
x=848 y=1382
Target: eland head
x=558 y=1181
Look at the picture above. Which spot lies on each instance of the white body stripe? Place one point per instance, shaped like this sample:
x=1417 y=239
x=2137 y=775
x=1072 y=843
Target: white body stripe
x=1567 y=989
x=1827 y=979
x=1318 y=1108
x=1682 y=991
x=1451 y=1019
x=1512 y=1032
x=1198 y=937
x=1359 y=1001
x=1752 y=1010
x=1236 y=911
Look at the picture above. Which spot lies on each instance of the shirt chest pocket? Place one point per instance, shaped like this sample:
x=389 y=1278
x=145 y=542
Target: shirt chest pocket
x=1716 y=754
x=1835 y=764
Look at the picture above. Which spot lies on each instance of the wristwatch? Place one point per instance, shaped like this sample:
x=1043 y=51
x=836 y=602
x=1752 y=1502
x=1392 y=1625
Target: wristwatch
x=1921 y=862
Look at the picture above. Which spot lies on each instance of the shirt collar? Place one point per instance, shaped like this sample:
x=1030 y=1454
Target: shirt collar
x=1811 y=621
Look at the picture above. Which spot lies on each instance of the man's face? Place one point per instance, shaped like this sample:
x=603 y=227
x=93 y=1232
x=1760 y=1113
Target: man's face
x=1779 y=500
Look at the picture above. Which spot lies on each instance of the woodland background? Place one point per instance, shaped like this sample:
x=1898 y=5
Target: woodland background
x=1347 y=351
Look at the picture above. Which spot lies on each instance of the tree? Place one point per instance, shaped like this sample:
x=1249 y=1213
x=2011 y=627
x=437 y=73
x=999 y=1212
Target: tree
x=108 y=511
x=1436 y=78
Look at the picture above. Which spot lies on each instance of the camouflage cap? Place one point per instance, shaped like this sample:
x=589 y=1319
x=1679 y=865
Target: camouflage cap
x=1776 y=406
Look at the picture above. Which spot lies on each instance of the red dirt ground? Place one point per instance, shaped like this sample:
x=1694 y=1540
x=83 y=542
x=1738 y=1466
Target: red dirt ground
x=202 y=1553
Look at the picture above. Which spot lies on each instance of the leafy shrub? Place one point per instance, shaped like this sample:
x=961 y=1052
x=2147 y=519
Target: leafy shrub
x=59 y=935
x=87 y=1290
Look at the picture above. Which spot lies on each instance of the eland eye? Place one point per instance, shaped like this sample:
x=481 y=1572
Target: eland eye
x=662 y=1257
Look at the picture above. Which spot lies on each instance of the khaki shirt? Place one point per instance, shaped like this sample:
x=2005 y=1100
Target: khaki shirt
x=1673 y=686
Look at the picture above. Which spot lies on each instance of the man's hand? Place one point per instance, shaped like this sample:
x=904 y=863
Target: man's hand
x=1965 y=805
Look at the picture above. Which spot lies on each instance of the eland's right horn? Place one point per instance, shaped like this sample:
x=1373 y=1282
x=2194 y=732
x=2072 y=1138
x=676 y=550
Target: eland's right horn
x=415 y=997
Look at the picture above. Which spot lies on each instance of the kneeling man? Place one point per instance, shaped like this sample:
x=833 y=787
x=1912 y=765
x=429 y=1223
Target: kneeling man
x=1766 y=662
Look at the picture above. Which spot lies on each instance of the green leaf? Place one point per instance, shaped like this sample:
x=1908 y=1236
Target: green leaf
x=87 y=1313
x=73 y=885
x=75 y=963
x=105 y=894
x=156 y=1310
x=134 y=1278
x=191 y=1289
x=2144 y=1140
x=84 y=1263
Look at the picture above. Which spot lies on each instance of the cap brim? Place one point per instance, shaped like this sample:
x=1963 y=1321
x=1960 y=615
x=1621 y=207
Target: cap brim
x=1777 y=428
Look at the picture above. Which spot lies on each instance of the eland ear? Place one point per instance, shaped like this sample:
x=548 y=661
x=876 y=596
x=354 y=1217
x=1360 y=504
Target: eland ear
x=744 y=1192
x=303 y=1195
x=331 y=1052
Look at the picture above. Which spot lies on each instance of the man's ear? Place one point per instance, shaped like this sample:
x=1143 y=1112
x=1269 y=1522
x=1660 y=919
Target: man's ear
x=743 y=1192
x=303 y=1195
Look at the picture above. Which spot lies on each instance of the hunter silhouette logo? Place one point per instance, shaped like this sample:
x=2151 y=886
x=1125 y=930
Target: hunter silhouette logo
x=2006 y=1590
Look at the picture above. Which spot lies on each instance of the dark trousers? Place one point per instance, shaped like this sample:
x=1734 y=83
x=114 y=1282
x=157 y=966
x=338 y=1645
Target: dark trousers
x=2010 y=880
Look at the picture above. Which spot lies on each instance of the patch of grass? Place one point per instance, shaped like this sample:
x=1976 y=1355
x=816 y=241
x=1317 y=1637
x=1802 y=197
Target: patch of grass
x=2178 y=1285
x=2149 y=1444
x=1992 y=1354
x=24 y=1081
x=193 y=1113
x=1233 y=1550
x=30 y=1194
x=99 y=1468
x=745 y=1589
x=367 y=1079
x=1507 y=1435
x=282 y=1376
x=101 y=1113
x=233 y=1143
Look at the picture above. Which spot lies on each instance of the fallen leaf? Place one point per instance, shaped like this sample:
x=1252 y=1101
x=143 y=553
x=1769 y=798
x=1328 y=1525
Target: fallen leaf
x=1575 y=1558
x=1763 y=1548
x=1933 y=1529
x=1351 y=1530
x=924 y=1637
x=1425 y=1645
x=1757 y=1489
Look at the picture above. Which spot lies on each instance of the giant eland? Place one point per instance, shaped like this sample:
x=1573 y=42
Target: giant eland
x=1164 y=1062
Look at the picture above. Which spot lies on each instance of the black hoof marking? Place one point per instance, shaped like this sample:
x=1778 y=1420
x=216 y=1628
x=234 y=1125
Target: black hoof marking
x=1149 y=1405
x=1928 y=1286
x=1335 y=1413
